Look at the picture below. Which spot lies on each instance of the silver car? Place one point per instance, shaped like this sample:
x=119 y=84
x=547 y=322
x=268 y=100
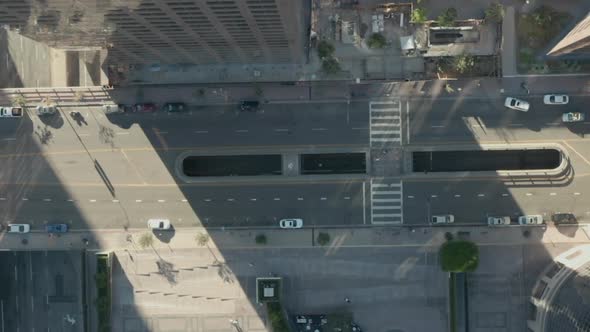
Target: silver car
x=556 y=99
x=443 y=219
x=159 y=224
x=498 y=221
x=19 y=228
x=534 y=219
x=46 y=109
x=291 y=223
x=517 y=104
x=573 y=117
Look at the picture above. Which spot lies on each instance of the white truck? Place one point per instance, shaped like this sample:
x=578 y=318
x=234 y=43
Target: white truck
x=11 y=112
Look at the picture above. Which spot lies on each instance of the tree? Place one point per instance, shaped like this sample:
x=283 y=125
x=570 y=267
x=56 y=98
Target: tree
x=495 y=12
x=325 y=49
x=447 y=18
x=260 y=239
x=202 y=239
x=376 y=40
x=464 y=63
x=323 y=239
x=19 y=100
x=146 y=240
x=418 y=15
x=331 y=65
x=459 y=256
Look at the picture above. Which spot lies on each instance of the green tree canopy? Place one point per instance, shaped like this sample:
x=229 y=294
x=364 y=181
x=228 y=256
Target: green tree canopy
x=459 y=256
x=464 y=63
x=325 y=49
x=376 y=40
x=447 y=18
x=419 y=15
x=331 y=65
x=495 y=12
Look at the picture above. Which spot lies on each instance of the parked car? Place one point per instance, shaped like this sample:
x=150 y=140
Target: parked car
x=159 y=224
x=19 y=228
x=443 y=219
x=498 y=221
x=535 y=219
x=573 y=117
x=564 y=218
x=291 y=223
x=175 y=107
x=556 y=99
x=517 y=104
x=46 y=110
x=11 y=112
x=145 y=107
x=113 y=108
x=249 y=105
x=56 y=228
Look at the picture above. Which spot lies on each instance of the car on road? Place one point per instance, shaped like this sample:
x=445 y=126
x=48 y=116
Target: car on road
x=159 y=224
x=291 y=223
x=144 y=107
x=249 y=105
x=19 y=228
x=534 y=219
x=573 y=117
x=517 y=104
x=443 y=219
x=174 y=107
x=556 y=99
x=56 y=228
x=46 y=110
x=113 y=108
x=11 y=112
x=498 y=221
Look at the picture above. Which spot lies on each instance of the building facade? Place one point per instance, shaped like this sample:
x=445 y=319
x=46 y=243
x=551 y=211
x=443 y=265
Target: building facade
x=576 y=42
x=168 y=31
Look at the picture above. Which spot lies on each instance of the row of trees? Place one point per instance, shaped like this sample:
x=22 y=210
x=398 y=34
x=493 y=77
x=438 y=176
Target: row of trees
x=494 y=13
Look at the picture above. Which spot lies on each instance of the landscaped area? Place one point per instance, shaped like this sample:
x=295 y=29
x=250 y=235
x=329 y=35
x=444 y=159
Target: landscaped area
x=103 y=287
x=536 y=32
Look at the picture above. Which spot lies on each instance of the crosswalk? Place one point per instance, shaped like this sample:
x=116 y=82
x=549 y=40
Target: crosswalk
x=385 y=125
x=386 y=201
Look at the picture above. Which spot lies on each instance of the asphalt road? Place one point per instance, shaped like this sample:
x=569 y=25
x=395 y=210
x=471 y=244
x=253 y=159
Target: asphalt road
x=41 y=291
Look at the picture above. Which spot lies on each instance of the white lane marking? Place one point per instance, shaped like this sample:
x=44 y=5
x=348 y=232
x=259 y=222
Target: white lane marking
x=242 y=131
x=115 y=201
x=122 y=133
x=253 y=199
x=552 y=194
x=457 y=195
x=323 y=198
x=318 y=129
x=276 y=199
x=2 y=198
x=504 y=195
x=577 y=194
x=161 y=132
x=138 y=201
x=554 y=123
x=161 y=201
x=184 y=200
x=515 y=125
x=347 y=197
x=281 y=129
x=434 y=196
x=15 y=274
x=32 y=307
x=92 y=201
x=231 y=199
x=25 y=199
x=436 y=126
x=201 y=131
x=410 y=196
x=529 y=194
x=9 y=139
x=299 y=198
x=359 y=128
x=408 y=121
x=47 y=199
x=71 y=200
x=207 y=199
x=480 y=195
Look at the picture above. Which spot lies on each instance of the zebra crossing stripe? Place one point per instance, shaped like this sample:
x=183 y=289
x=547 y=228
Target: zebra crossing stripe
x=386 y=201
x=385 y=123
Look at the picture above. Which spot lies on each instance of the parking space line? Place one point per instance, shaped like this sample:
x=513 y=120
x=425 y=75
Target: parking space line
x=281 y=129
x=201 y=131
x=242 y=131
x=319 y=129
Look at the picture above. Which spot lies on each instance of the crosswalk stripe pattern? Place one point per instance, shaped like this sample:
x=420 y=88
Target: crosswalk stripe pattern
x=385 y=122
x=386 y=201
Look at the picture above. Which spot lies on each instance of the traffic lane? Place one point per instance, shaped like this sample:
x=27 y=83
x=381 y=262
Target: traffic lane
x=472 y=201
x=9 y=291
x=243 y=205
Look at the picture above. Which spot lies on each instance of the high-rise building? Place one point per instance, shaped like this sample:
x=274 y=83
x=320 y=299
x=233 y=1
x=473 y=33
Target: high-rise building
x=168 y=31
x=577 y=41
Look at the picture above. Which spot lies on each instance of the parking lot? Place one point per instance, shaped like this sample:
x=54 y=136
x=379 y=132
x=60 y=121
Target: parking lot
x=41 y=291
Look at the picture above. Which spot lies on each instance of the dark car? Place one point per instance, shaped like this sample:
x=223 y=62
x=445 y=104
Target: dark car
x=564 y=218
x=175 y=107
x=249 y=105
x=56 y=228
x=145 y=107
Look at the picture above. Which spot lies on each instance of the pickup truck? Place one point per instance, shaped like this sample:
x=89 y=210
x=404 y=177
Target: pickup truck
x=11 y=112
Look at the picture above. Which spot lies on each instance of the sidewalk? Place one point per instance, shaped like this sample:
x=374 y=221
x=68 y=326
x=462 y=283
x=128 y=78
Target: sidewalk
x=428 y=237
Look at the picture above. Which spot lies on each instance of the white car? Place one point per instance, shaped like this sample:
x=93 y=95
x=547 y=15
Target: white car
x=291 y=223
x=11 y=112
x=159 y=224
x=573 y=117
x=517 y=104
x=498 y=221
x=46 y=109
x=112 y=108
x=535 y=219
x=443 y=219
x=556 y=99
x=19 y=228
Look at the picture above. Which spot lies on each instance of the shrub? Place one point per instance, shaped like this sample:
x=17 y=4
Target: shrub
x=419 y=15
x=331 y=66
x=19 y=100
x=323 y=239
x=146 y=240
x=276 y=317
x=376 y=40
x=495 y=12
x=202 y=239
x=464 y=63
x=325 y=49
x=447 y=18
x=260 y=239
x=459 y=256
x=103 y=298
